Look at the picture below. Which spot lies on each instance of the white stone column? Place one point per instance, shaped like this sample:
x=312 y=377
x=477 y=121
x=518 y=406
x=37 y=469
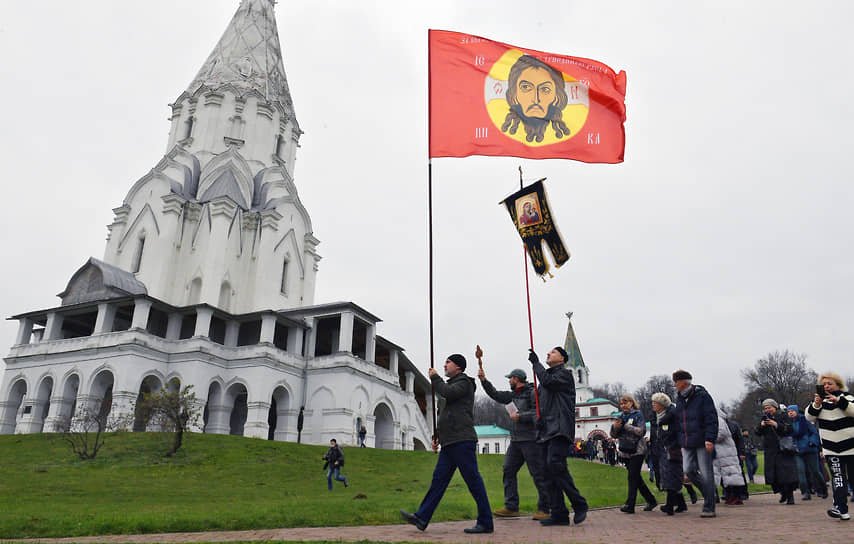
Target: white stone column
x=173 y=326
x=122 y=411
x=203 y=321
x=268 y=328
x=54 y=419
x=295 y=337
x=106 y=318
x=232 y=328
x=25 y=331
x=393 y=360
x=312 y=337
x=218 y=416
x=256 y=420
x=141 y=310
x=345 y=333
x=410 y=381
x=371 y=344
x=28 y=424
x=53 y=327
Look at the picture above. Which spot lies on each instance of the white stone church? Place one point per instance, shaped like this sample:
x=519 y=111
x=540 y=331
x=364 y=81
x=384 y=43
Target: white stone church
x=208 y=280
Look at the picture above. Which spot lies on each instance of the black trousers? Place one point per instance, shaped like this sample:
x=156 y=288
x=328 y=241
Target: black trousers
x=520 y=453
x=561 y=483
x=841 y=470
x=636 y=483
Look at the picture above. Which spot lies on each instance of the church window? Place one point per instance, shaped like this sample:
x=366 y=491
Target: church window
x=225 y=296
x=190 y=122
x=279 y=145
x=195 y=291
x=497 y=448
x=284 y=285
x=137 y=258
x=594 y=410
x=580 y=376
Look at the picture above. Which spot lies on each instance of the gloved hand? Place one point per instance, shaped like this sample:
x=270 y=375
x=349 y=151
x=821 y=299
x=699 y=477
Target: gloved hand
x=533 y=356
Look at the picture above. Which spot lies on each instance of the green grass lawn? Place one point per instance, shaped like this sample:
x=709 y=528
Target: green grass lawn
x=219 y=482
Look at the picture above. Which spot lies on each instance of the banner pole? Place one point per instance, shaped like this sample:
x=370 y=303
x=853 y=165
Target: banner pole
x=430 y=225
x=528 y=298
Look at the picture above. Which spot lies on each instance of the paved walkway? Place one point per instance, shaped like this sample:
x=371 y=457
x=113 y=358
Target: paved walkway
x=760 y=520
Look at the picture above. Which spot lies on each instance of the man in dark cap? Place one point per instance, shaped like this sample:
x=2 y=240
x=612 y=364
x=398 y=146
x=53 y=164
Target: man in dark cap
x=523 y=442
x=697 y=435
x=557 y=435
x=458 y=439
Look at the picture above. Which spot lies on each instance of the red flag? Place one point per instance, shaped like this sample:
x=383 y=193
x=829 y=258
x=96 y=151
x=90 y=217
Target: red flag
x=490 y=98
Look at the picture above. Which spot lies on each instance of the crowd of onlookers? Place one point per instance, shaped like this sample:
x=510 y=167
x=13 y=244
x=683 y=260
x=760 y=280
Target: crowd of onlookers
x=692 y=442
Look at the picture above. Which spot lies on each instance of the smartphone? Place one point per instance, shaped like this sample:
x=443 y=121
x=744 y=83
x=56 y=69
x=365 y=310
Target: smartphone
x=819 y=390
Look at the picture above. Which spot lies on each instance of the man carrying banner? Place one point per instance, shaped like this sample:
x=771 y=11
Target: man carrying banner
x=458 y=439
x=523 y=442
x=557 y=434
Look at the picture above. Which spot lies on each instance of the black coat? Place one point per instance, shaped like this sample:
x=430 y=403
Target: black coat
x=670 y=454
x=456 y=409
x=698 y=418
x=557 y=402
x=524 y=429
x=781 y=468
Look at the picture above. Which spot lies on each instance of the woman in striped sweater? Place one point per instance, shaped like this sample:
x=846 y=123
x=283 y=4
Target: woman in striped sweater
x=833 y=413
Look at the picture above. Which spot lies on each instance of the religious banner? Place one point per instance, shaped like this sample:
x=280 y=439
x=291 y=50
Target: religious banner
x=529 y=209
x=490 y=98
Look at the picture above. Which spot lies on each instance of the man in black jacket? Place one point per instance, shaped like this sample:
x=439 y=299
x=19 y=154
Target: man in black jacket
x=458 y=439
x=523 y=442
x=557 y=434
x=698 y=431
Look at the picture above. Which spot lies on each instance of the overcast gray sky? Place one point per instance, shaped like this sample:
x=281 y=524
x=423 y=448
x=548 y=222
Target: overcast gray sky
x=725 y=234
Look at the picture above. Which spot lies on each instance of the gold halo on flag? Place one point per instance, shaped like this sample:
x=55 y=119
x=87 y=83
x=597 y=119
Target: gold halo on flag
x=574 y=115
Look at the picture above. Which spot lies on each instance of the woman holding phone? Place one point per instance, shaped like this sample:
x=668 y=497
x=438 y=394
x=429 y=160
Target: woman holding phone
x=832 y=410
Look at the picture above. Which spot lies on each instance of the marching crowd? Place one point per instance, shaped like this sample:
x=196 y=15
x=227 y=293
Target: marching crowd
x=690 y=443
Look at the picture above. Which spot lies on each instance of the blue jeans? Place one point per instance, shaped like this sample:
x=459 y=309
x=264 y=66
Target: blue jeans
x=462 y=455
x=809 y=474
x=697 y=463
x=752 y=465
x=335 y=472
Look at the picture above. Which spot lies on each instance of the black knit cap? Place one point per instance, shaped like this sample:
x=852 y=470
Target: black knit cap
x=458 y=360
x=563 y=353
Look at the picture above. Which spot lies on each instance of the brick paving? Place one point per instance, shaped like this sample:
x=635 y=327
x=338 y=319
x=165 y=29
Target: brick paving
x=760 y=520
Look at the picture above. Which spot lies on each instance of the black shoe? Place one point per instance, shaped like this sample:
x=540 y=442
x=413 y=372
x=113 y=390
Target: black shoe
x=626 y=509
x=667 y=509
x=806 y=497
x=782 y=499
x=553 y=521
x=681 y=508
x=790 y=499
x=414 y=520
x=650 y=506
x=478 y=529
x=579 y=516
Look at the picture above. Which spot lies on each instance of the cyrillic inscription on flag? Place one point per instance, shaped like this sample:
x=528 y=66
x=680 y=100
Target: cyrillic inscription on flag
x=490 y=98
x=530 y=211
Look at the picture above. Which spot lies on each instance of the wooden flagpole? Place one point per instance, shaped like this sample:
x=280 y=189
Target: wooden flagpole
x=528 y=297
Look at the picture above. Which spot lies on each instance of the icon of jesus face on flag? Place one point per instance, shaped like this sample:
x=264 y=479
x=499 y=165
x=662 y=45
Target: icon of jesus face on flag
x=529 y=209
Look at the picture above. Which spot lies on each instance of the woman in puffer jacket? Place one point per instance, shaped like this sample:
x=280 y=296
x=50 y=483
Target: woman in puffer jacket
x=727 y=468
x=670 y=454
x=629 y=430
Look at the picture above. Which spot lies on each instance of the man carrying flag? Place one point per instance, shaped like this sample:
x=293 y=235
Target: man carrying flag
x=557 y=434
x=523 y=448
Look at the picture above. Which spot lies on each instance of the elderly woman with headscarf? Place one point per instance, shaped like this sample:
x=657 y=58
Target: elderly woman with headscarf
x=781 y=469
x=629 y=430
x=670 y=453
x=833 y=412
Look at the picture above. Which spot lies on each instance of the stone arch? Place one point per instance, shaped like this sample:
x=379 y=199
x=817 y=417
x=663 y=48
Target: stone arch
x=236 y=400
x=277 y=417
x=418 y=445
x=224 y=301
x=214 y=415
x=12 y=405
x=151 y=383
x=41 y=405
x=66 y=404
x=100 y=397
x=383 y=427
x=195 y=294
x=359 y=400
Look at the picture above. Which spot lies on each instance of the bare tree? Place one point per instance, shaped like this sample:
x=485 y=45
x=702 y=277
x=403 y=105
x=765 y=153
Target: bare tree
x=171 y=410
x=783 y=376
x=660 y=383
x=610 y=391
x=489 y=412
x=85 y=432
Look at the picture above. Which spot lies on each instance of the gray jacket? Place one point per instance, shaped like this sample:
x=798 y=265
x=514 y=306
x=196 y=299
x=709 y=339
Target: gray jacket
x=557 y=402
x=525 y=429
x=456 y=409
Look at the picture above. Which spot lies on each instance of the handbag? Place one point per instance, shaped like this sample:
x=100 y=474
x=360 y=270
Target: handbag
x=787 y=444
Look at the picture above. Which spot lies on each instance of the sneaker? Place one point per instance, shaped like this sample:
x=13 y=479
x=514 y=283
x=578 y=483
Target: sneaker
x=835 y=513
x=506 y=513
x=540 y=515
